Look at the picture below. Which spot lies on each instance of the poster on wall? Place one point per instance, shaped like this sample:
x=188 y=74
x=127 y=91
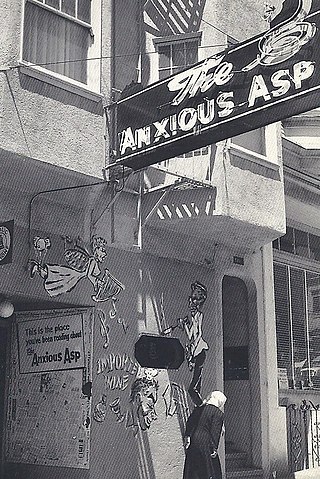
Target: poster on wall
x=52 y=344
x=49 y=408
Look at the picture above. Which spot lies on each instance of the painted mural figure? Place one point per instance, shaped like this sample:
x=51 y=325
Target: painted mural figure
x=100 y=409
x=144 y=394
x=174 y=397
x=60 y=279
x=197 y=346
x=202 y=435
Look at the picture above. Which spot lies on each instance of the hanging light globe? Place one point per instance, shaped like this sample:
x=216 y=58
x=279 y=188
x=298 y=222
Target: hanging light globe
x=6 y=309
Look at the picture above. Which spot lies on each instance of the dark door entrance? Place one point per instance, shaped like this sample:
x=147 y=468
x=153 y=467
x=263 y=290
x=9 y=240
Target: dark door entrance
x=4 y=333
x=238 y=419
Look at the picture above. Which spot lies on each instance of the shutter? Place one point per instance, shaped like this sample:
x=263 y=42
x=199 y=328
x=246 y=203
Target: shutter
x=313 y=302
x=299 y=326
x=283 y=328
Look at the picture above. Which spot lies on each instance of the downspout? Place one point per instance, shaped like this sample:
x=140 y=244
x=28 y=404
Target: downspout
x=112 y=111
x=139 y=79
x=266 y=465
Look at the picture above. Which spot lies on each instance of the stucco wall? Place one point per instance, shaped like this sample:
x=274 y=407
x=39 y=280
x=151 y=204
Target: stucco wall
x=34 y=119
x=35 y=112
x=156 y=294
x=259 y=188
x=153 y=288
x=156 y=289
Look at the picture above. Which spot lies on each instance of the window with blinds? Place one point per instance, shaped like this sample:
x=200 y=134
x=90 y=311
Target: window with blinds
x=297 y=308
x=57 y=35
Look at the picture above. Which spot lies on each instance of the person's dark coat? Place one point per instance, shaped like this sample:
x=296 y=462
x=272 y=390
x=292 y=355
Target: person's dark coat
x=204 y=427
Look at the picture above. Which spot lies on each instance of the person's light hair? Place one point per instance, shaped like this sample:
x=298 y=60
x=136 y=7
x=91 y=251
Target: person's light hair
x=217 y=398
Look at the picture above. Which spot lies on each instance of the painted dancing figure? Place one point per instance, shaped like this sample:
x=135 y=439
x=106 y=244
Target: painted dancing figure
x=197 y=346
x=60 y=279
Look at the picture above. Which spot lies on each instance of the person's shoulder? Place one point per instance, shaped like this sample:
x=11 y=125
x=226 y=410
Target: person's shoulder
x=215 y=410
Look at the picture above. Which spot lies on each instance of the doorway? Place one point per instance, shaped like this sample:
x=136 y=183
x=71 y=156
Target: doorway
x=238 y=409
x=4 y=336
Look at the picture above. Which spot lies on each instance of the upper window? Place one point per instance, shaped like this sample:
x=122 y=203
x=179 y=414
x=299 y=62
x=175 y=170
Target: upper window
x=58 y=35
x=176 y=56
x=299 y=243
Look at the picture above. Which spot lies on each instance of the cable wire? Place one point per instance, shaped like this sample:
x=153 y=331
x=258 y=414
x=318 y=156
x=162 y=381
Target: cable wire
x=108 y=57
x=216 y=28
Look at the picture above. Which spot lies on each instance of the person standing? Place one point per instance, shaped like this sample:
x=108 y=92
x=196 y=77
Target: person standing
x=202 y=435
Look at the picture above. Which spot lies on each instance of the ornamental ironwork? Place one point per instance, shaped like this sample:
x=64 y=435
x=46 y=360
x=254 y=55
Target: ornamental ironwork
x=303 y=431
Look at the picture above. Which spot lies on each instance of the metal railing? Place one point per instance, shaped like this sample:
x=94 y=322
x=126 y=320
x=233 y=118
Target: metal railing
x=303 y=432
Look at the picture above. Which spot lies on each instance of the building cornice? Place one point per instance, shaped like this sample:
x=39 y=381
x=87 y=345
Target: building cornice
x=302 y=159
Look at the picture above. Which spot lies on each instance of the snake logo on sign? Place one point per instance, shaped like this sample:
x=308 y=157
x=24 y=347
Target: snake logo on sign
x=5 y=242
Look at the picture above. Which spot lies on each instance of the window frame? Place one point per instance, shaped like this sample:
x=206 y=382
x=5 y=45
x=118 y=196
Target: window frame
x=176 y=39
x=182 y=38
x=61 y=13
x=302 y=259
x=269 y=157
x=280 y=258
x=91 y=89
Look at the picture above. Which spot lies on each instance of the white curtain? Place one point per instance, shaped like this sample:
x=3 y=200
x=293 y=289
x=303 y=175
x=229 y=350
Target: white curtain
x=55 y=42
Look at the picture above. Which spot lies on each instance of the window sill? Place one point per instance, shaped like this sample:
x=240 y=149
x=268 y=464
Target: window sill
x=253 y=156
x=286 y=395
x=296 y=261
x=59 y=81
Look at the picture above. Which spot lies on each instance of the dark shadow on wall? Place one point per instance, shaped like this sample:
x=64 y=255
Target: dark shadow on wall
x=243 y=408
x=131 y=63
x=236 y=335
x=256 y=168
x=59 y=94
x=174 y=17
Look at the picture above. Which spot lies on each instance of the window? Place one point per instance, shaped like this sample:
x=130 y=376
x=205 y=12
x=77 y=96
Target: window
x=300 y=243
x=287 y=241
x=254 y=140
x=297 y=306
x=201 y=151
x=176 y=56
x=58 y=33
x=314 y=242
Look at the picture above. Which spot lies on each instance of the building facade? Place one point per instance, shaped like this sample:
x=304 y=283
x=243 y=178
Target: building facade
x=93 y=258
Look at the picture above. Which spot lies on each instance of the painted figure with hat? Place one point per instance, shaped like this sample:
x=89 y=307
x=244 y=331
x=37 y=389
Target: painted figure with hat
x=197 y=346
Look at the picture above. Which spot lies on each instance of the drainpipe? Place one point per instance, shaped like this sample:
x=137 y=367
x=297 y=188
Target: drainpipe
x=112 y=111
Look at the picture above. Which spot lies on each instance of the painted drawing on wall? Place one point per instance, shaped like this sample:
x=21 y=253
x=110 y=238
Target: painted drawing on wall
x=143 y=397
x=81 y=263
x=196 y=347
x=6 y=242
x=104 y=327
x=100 y=409
x=175 y=399
x=135 y=410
